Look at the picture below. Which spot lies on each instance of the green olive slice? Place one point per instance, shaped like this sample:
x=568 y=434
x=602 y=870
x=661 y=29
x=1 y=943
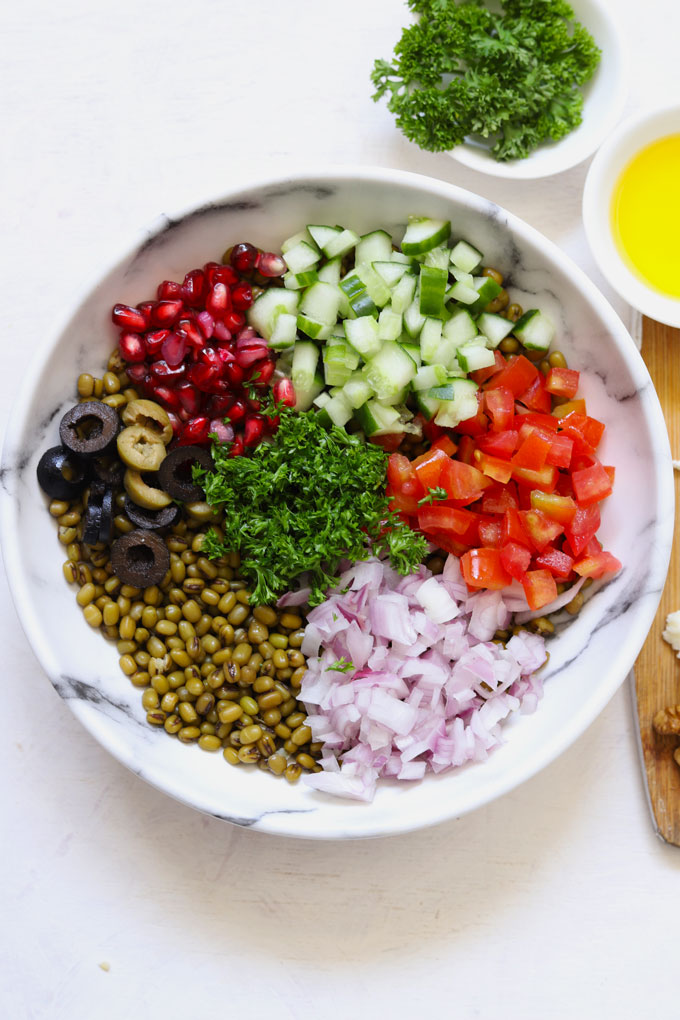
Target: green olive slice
x=140 y=448
x=143 y=494
x=151 y=415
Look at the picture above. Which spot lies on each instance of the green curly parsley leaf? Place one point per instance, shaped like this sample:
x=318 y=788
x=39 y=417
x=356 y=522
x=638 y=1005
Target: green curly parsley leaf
x=303 y=503
x=512 y=78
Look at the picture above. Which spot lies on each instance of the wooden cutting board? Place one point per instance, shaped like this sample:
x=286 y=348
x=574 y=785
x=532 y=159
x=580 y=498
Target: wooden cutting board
x=657 y=671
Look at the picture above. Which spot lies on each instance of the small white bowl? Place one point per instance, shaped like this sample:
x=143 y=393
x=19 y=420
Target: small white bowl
x=630 y=138
x=604 y=102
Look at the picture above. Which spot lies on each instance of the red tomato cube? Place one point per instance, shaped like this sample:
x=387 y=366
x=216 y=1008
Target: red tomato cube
x=540 y=588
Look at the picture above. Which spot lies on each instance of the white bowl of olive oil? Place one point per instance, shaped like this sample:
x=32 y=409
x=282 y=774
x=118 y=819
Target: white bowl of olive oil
x=631 y=212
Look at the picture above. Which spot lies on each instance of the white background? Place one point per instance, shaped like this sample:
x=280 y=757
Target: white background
x=554 y=902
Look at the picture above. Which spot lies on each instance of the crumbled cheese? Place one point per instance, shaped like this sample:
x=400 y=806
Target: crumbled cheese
x=105 y=965
x=672 y=631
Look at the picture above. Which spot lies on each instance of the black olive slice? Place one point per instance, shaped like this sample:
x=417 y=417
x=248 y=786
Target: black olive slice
x=109 y=470
x=140 y=558
x=89 y=429
x=106 y=526
x=174 y=474
x=92 y=522
x=51 y=478
x=152 y=520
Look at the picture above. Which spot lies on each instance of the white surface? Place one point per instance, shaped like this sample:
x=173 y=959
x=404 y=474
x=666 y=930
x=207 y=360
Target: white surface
x=556 y=901
x=605 y=98
x=630 y=138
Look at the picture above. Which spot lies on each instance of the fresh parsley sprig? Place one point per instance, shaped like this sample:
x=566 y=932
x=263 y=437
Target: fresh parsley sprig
x=433 y=493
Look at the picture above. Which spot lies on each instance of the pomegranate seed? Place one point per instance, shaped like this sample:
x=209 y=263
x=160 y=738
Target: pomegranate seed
x=271 y=424
x=162 y=370
x=271 y=264
x=175 y=422
x=174 y=348
x=206 y=324
x=284 y=393
x=225 y=355
x=218 y=300
x=189 y=398
x=209 y=269
x=202 y=376
x=264 y=374
x=243 y=257
x=146 y=308
x=253 y=430
x=247 y=333
x=234 y=321
x=168 y=290
x=225 y=433
x=166 y=396
x=237 y=448
x=192 y=334
x=250 y=352
x=132 y=347
x=221 y=332
x=234 y=374
x=237 y=411
x=193 y=288
x=242 y=296
x=254 y=404
x=138 y=373
x=153 y=341
x=166 y=312
x=128 y=318
x=226 y=275
x=218 y=407
x=195 y=431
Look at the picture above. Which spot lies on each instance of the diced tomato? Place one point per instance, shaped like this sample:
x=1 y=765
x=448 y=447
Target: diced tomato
x=463 y=482
x=431 y=430
x=597 y=565
x=400 y=471
x=532 y=453
x=446 y=541
x=562 y=382
x=482 y=568
x=593 y=547
x=446 y=444
x=593 y=430
x=557 y=508
x=443 y=518
x=539 y=588
x=494 y=467
x=499 y=444
x=541 y=421
x=401 y=502
x=500 y=406
x=582 y=528
x=611 y=471
x=428 y=468
x=478 y=424
x=466 y=449
x=389 y=442
x=513 y=531
x=490 y=533
x=560 y=564
x=536 y=397
x=540 y=529
x=545 y=479
x=482 y=374
x=517 y=375
x=571 y=406
x=564 y=486
x=561 y=446
x=499 y=498
x=515 y=559
x=591 y=485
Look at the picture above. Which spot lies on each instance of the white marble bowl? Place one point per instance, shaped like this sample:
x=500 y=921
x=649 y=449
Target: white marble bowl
x=588 y=660
x=629 y=139
x=604 y=102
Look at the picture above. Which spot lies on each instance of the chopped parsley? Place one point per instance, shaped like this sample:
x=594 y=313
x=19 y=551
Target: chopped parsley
x=303 y=503
x=433 y=493
x=512 y=78
x=341 y=665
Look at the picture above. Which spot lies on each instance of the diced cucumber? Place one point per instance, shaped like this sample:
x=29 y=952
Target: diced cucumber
x=303 y=369
x=494 y=327
x=340 y=245
x=305 y=398
x=362 y=333
x=433 y=283
x=390 y=370
x=445 y=354
x=321 y=302
x=375 y=419
x=312 y=328
x=290 y=242
x=414 y=320
x=301 y=256
x=339 y=360
x=373 y=247
x=284 y=332
x=535 y=330
x=427 y=406
x=398 y=256
x=390 y=272
x=403 y=293
x=322 y=234
x=296 y=281
x=430 y=338
x=376 y=287
x=465 y=257
x=423 y=234
x=336 y=411
x=464 y=293
x=460 y=327
x=458 y=400
x=473 y=356
x=330 y=271
x=354 y=289
x=487 y=290
x=466 y=278
x=437 y=257
x=413 y=351
x=429 y=376
x=389 y=324
x=268 y=306
x=357 y=390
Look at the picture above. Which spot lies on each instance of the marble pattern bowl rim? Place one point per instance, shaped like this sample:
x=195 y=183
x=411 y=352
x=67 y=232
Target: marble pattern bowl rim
x=310 y=822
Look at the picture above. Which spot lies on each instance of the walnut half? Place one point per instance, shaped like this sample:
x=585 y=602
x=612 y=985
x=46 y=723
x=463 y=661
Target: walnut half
x=667 y=720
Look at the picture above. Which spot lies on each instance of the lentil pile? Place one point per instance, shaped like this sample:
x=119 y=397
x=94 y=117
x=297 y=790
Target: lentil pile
x=212 y=669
